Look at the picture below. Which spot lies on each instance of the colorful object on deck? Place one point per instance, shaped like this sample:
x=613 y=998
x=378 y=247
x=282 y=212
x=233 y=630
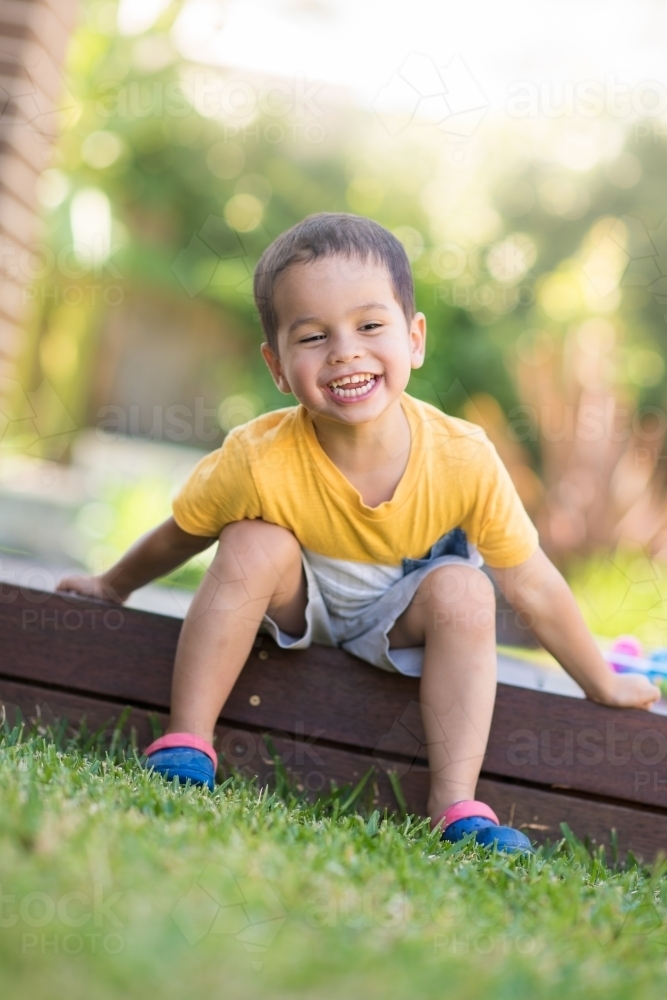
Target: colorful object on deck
x=627 y=656
x=626 y=646
x=659 y=658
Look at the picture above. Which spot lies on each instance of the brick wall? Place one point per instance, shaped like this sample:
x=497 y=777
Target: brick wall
x=34 y=35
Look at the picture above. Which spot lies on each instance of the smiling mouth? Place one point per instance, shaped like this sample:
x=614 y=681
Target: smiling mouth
x=353 y=386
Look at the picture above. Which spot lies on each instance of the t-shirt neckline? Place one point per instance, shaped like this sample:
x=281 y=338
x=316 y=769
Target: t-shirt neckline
x=342 y=486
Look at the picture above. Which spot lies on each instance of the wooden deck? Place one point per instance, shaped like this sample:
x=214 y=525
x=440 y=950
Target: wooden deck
x=550 y=758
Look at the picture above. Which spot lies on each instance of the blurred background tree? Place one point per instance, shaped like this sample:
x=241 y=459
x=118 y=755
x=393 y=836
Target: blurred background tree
x=537 y=254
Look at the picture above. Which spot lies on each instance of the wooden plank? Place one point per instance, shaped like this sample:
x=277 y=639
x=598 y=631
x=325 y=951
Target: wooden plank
x=87 y=645
x=42 y=632
x=312 y=766
x=575 y=744
x=537 y=738
x=539 y=813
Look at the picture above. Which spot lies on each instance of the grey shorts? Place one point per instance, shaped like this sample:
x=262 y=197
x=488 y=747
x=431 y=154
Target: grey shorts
x=367 y=634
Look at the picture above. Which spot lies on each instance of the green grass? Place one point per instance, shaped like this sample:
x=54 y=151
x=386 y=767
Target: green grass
x=116 y=884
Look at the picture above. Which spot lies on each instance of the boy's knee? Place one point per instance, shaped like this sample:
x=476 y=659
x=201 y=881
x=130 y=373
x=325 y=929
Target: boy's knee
x=248 y=535
x=461 y=594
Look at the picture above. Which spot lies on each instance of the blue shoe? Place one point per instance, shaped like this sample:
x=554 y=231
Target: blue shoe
x=487 y=833
x=183 y=756
x=184 y=764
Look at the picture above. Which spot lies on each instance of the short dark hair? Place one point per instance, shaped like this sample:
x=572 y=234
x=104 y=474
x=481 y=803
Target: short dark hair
x=330 y=234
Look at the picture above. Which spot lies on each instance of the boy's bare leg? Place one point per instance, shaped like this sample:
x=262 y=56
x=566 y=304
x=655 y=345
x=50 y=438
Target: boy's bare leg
x=257 y=568
x=453 y=616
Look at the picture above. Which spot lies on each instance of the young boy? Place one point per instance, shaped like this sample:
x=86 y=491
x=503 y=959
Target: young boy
x=358 y=518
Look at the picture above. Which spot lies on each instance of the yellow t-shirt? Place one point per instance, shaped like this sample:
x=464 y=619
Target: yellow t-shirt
x=275 y=469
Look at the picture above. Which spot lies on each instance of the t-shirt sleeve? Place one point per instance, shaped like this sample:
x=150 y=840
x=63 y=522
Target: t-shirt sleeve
x=500 y=526
x=219 y=490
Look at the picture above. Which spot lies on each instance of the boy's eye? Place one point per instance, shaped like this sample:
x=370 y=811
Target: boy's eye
x=312 y=337
x=371 y=326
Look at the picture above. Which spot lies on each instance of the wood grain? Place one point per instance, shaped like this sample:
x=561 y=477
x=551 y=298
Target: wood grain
x=312 y=768
x=539 y=814
x=328 y=695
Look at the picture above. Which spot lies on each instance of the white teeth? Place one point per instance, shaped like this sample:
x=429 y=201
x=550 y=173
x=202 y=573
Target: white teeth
x=347 y=379
x=349 y=393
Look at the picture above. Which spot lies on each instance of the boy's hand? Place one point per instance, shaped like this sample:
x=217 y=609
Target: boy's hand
x=91 y=586
x=539 y=592
x=153 y=556
x=629 y=691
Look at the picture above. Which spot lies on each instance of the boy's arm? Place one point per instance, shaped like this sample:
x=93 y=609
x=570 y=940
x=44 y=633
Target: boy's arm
x=152 y=556
x=536 y=589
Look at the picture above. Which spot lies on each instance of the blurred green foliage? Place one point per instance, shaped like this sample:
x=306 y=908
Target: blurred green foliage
x=198 y=168
x=622 y=593
x=196 y=194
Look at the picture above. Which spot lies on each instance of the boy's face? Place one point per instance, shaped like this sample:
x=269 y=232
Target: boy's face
x=345 y=348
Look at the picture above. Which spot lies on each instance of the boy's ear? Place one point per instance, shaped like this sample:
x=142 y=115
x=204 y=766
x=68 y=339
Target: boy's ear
x=417 y=340
x=275 y=367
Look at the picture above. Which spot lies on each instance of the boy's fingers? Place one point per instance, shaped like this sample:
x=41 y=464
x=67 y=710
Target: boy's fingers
x=652 y=696
x=637 y=692
x=76 y=584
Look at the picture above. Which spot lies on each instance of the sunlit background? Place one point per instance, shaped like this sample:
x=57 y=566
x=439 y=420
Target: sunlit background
x=517 y=150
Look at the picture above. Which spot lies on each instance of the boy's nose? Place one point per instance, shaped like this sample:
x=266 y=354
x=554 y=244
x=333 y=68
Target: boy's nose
x=344 y=349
